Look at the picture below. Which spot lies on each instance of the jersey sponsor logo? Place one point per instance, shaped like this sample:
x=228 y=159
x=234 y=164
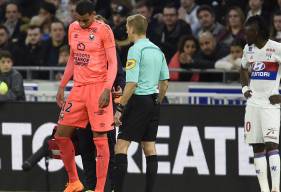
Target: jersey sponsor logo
x=81 y=46
x=131 y=63
x=81 y=59
x=259 y=66
x=264 y=70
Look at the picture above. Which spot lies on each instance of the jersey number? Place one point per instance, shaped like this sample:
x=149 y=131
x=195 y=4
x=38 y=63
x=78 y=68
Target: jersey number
x=248 y=126
x=67 y=108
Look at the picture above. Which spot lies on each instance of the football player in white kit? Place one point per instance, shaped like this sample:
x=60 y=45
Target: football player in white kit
x=262 y=58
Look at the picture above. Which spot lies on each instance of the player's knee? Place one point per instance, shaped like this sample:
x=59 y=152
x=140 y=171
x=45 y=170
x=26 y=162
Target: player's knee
x=271 y=146
x=149 y=149
x=258 y=148
x=121 y=146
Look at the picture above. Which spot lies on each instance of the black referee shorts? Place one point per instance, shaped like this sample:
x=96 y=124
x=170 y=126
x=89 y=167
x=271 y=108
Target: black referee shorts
x=140 y=119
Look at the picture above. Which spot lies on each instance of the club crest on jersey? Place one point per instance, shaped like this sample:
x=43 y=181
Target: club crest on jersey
x=91 y=37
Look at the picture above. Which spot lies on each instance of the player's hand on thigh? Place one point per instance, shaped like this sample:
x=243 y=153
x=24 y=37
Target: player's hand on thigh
x=275 y=99
x=248 y=94
x=60 y=97
x=117 y=118
x=104 y=98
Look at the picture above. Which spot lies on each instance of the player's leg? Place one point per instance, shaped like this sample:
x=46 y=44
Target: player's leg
x=148 y=145
x=151 y=164
x=271 y=125
x=88 y=155
x=63 y=140
x=111 y=142
x=101 y=121
x=102 y=159
x=254 y=136
x=73 y=114
x=121 y=164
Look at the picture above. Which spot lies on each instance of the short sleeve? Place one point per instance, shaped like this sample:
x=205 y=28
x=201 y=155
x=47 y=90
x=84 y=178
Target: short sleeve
x=108 y=37
x=278 y=53
x=133 y=65
x=164 y=73
x=70 y=29
x=244 y=60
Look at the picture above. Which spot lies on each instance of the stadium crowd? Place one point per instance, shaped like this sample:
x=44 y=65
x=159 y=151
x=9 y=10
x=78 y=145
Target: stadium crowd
x=205 y=34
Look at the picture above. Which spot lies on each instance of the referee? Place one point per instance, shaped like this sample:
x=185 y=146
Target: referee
x=146 y=74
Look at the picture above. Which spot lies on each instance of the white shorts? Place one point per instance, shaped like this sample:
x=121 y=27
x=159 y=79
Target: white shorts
x=262 y=125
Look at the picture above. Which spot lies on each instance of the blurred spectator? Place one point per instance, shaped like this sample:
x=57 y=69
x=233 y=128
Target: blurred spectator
x=62 y=12
x=169 y=33
x=64 y=53
x=145 y=8
x=11 y=77
x=208 y=21
x=103 y=8
x=234 y=24
x=52 y=45
x=256 y=8
x=275 y=32
x=119 y=29
x=233 y=60
x=13 y=21
x=2 y=11
x=33 y=49
x=30 y=7
x=5 y=44
x=187 y=12
x=188 y=47
x=210 y=52
x=45 y=17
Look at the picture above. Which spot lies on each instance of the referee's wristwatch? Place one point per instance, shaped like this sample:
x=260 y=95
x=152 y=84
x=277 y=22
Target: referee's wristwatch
x=120 y=107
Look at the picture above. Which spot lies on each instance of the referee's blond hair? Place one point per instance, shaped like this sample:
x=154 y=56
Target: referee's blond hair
x=139 y=23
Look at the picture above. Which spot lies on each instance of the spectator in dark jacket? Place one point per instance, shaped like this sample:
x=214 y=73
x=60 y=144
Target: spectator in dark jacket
x=33 y=49
x=207 y=19
x=11 y=77
x=53 y=45
x=210 y=52
x=13 y=48
x=170 y=32
x=13 y=22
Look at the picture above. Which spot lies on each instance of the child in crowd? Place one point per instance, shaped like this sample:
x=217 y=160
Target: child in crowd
x=11 y=78
x=233 y=60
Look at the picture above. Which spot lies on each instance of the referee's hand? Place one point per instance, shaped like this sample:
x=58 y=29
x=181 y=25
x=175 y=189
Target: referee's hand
x=117 y=118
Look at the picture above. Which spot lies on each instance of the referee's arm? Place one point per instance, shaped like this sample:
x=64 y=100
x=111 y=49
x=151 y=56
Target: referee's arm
x=128 y=92
x=163 y=80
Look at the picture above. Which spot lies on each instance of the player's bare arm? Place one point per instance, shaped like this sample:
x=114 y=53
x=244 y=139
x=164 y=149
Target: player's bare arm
x=163 y=86
x=68 y=73
x=244 y=80
x=111 y=74
x=127 y=94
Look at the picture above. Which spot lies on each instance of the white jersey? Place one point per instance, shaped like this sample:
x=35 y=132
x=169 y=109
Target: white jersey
x=265 y=72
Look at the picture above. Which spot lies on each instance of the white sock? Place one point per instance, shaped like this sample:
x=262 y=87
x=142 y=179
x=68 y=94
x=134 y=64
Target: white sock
x=274 y=164
x=261 y=170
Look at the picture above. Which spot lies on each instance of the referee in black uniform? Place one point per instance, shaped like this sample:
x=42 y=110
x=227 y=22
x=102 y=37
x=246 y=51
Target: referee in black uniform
x=137 y=114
